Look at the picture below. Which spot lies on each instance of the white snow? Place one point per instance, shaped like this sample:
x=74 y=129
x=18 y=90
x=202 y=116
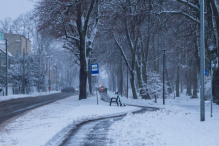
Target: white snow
x=177 y=123
x=41 y=126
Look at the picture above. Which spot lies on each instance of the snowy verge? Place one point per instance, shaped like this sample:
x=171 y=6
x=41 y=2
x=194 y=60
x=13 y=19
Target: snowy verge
x=45 y=125
x=9 y=97
x=177 y=123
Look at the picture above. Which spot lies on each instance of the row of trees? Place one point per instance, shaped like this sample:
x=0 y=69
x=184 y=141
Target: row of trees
x=32 y=68
x=133 y=33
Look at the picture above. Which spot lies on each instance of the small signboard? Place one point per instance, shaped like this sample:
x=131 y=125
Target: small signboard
x=205 y=72
x=94 y=69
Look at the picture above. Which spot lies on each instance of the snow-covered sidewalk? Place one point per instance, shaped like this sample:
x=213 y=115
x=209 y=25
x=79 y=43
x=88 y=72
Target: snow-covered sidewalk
x=45 y=124
x=177 y=123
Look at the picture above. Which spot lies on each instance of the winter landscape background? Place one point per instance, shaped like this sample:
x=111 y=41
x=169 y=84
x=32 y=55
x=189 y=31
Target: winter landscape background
x=146 y=50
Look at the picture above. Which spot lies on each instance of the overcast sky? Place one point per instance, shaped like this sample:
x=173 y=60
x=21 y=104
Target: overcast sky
x=13 y=8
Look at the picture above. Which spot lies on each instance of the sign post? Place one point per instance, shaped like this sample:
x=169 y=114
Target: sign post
x=211 y=86
x=95 y=72
x=94 y=69
x=202 y=61
x=205 y=72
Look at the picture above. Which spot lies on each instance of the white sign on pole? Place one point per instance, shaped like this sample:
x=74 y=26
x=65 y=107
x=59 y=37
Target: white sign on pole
x=94 y=69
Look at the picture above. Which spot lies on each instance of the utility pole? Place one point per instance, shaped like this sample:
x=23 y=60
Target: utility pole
x=211 y=86
x=56 y=79
x=6 y=43
x=127 y=81
x=49 y=76
x=23 y=70
x=121 y=84
x=202 y=61
x=39 y=73
x=163 y=76
x=90 y=78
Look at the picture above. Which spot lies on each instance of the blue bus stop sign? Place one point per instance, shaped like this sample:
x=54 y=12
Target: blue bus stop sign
x=94 y=69
x=206 y=72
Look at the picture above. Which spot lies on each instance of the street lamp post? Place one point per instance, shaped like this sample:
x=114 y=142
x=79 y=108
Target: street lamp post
x=163 y=76
x=211 y=86
x=6 y=52
x=23 y=82
x=127 y=82
x=49 y=76
x=56 y=79
x=202 y=61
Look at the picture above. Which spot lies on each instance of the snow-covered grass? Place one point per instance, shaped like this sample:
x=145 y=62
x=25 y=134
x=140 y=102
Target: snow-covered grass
x=44 y=125
x=16 y=96
x=177 y=123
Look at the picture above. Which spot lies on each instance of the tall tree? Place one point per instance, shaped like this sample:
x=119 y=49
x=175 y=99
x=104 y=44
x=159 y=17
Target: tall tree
x=75 y=21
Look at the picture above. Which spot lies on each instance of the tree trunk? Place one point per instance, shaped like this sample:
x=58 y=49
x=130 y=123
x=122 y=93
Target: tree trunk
x=189 y=87
x=194 y=94
x=169 y=89
x=114 y=82
x=196 y=67
x=181 y=86
x=177 y=82
x=216 y=15
x=121 y=78
x=188 y=78
x=132 y=80
x=83 y=68
x=89 y=77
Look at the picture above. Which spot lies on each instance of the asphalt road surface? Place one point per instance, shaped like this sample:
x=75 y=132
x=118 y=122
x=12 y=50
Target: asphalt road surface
x=94 y=133
x=14 y=107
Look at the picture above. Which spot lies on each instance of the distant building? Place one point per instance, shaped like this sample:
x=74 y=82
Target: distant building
x=16 y=48
x=22 y=46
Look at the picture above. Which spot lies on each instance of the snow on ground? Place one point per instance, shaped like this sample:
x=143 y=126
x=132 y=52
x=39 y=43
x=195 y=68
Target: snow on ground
x=43 y=125
x=177 y=123
x=16 y=96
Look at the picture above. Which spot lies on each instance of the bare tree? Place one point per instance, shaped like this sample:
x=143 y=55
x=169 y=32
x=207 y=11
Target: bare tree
x=5 y=25
x=75 y=21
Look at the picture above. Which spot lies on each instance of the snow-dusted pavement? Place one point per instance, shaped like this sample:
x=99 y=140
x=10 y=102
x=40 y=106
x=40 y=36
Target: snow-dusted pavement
x=177 y=124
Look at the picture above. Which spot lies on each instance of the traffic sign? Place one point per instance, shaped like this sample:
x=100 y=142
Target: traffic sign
x=205 y=72
x=94 y=69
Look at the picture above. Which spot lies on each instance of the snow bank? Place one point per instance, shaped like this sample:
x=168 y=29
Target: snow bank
x=40 y=126
x=177 y=123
